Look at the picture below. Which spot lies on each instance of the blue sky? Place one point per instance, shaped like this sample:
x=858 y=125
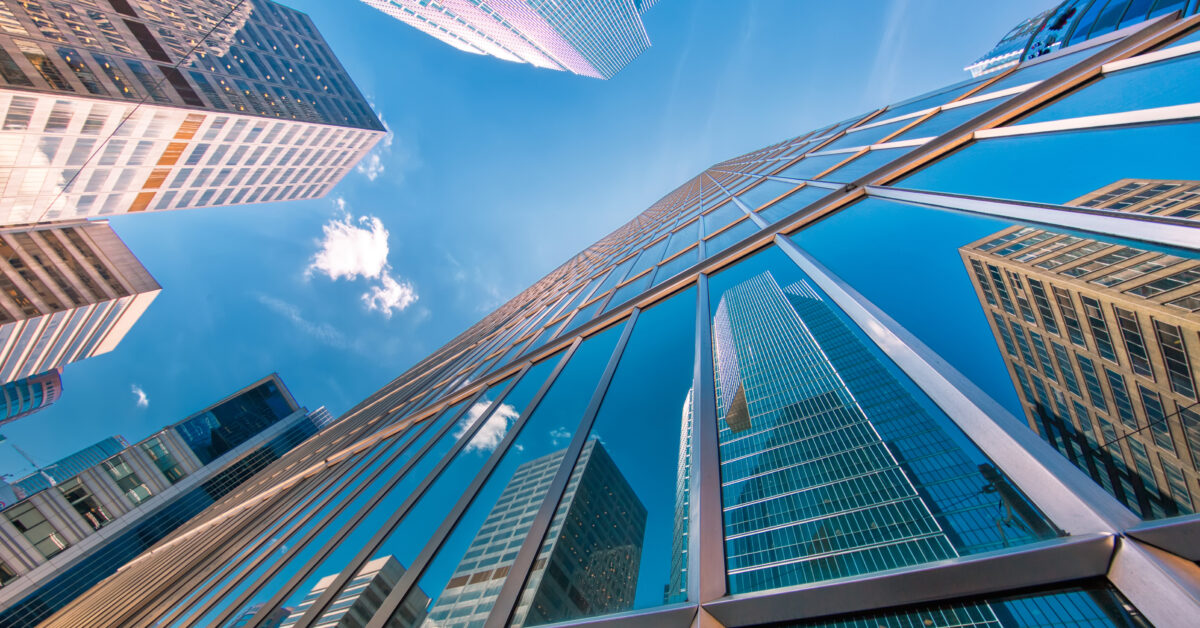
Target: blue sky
x=495 y=174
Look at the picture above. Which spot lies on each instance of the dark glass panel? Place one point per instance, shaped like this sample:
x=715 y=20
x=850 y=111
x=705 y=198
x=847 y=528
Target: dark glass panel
x=972 y=291
x=471 y=565
x=833 y=464
x=618 y=539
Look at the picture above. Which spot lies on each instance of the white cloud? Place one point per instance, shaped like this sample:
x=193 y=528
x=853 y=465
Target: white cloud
x=558 y=435
x=489 y=436
x=372 y=165
x=388 y=156
x=358 y=247
x=142 y=400
x=390 y=295
x=324 y=332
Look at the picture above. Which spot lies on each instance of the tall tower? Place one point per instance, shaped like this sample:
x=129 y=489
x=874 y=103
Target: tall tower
x=26 y=396
x=1098 y=339
x=123 y=106
x=67 y=292
x=360 y=599
x=593 y=38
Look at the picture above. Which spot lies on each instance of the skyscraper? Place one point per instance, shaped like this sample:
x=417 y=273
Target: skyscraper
x=602 y=563
x=359 y=601
x=141 y=105
x=67 y=292
x=593 y=38
x=26 y=396
x=1097 y=337
x=853 y=455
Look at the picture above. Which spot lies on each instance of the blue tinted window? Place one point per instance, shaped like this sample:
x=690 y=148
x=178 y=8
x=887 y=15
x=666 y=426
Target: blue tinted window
x=1145 y=87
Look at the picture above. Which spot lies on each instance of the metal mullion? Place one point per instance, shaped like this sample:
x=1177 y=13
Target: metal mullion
x=1038 y=564
x=389 y=526
x=313 y=562
x=408 y=581
x=1163 y=586
x=214 y=549
x=518 y=572
x=1162 y=230
x=1069 y=497
x=758 y=220
x=354 y=467
x=809 y=182
x=200 y=584
x=706 y=538
x=1176 y=535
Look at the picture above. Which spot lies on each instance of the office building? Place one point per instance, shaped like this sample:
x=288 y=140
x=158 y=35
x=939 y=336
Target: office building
x=359 y=601
x=137 y=494
x=602 y=565
x=143 y=105
x=26 y=396
x=1070 y=23
x=857 y=452
x=1098 y=338
x=593 y=38
x=67 y=292
x=68 y=467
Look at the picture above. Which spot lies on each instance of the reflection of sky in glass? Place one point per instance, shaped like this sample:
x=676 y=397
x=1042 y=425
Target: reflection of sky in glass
x=1163 y=84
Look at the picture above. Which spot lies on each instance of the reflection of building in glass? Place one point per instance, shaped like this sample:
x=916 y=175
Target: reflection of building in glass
x=26 y=396
x=274 y=619
x=593 y=38
x=829 y=466
x=676 y=588
x=107 y=110
x=1098 y=339
x=355 y=605
x=67 y=293
x=214 y=431
x=139 y=494
x=1067 y=24
x=584 y=569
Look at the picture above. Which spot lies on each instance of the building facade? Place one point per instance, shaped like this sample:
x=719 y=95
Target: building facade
x=142 y=105
x=67 y=292
x=359 y=601
x=858 y=453
x=594 y=38
x=110 y=502
x=26 y=396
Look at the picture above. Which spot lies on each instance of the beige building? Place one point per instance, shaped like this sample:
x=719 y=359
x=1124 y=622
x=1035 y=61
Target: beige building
x=1102 y=342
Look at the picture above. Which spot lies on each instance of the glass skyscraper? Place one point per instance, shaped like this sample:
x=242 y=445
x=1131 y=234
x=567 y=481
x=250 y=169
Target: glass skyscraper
x=593 y=38
x=26 y=396
x=794 y=365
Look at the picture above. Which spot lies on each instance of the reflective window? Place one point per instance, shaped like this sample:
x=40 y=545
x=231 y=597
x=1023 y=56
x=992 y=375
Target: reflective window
x=127 y=479
x=1144 y=87
x=765 y=192
x=813 y=165
x=1041 y=71
x=871 y=135
x=164 y=460
x=33 y=526
x=949 y=119
x=472 y=564
x=793 y=203
x=729 y=237
x=84 y=503
x=832 y=463
x=1102 y=338
x=866 y=164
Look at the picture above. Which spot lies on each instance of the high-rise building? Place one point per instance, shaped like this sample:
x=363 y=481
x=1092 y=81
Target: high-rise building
x=274 y=618
x=67 y=292
x=112 y=501
x=141 y=105
x=601 y=562
x=851 y=451
x=1071 y=22
x=1098 y=338
x=593 y=38
x=359 y=601
x=69 y=466
x=26 y=396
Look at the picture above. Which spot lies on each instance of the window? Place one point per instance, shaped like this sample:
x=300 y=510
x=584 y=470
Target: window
x=1179 y=368
x=1066 y=306
x=164 y=460
x=1135 y=345
x=1170 y=282
x=84 y=503
x=34 y=527
x=127 y=479
x=1095 y=317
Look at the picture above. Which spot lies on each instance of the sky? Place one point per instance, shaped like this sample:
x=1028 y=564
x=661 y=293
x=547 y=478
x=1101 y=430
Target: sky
x=493 y=174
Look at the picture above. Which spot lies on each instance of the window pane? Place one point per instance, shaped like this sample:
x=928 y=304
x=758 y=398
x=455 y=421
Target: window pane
x=618 y=539
x=832 y=463
x=979 y=292
x=793 y=203
x=1156 y=85
x=810 y=167
x=764 y=192
x=865 y=164
x=471 y=566
x=950 y=118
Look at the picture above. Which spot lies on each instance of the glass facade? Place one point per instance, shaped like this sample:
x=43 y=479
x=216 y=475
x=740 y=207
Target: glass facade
x=839 y=380
x=219 y=429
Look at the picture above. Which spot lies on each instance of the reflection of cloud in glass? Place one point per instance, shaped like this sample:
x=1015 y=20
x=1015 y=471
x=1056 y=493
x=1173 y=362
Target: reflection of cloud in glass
x=489 y=436
x=558 y=435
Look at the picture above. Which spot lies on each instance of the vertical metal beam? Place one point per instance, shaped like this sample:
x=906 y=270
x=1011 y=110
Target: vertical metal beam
x=510 y=592
x=1069 y=497
x=1163 y=586
x=706 y=536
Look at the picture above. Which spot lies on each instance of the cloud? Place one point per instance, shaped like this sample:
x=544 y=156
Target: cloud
x=390 y=295
x=142 y=400
x=323 y=332
x=387 y=153
x=351 y=248
x=558 y=435
x=492 y=432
